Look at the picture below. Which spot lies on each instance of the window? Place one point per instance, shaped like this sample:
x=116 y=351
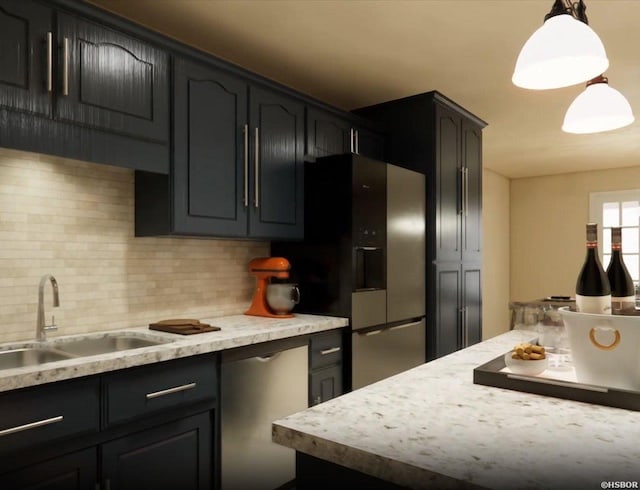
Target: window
x=618 y=208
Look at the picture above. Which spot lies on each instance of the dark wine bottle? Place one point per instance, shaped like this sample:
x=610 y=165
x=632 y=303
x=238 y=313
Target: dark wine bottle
x=623 y=295
x=593 y=292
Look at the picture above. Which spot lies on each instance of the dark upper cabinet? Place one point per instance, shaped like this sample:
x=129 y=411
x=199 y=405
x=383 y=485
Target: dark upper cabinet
x=472 y=218
x=81 y=89
x=26 y=44
x=111 y=81
x=238 y=161
x=277 y=181
x=458 y=186
x=210 y=168
x=329 y=133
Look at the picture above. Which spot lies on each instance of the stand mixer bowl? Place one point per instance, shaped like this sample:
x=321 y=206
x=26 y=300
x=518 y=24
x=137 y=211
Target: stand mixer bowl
x=282 y=297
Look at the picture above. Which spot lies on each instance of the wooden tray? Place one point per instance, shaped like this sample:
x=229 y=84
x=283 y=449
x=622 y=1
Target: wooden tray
x=183 y=326
x=492 y=374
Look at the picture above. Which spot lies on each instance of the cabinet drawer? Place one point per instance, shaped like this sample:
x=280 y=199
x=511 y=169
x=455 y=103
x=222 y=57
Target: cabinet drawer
x=167 y=385
x=48 y=413
x=325 y=384
x=325 y=349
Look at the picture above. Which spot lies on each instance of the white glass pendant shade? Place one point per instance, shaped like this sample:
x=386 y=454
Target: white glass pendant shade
x=562 y=52
x=599 y=108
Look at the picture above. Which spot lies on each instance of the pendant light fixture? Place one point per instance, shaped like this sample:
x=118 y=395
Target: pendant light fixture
x=599 y=108
x=564 y=51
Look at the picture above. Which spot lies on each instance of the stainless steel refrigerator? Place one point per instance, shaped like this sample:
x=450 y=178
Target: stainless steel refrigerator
x=363 y=257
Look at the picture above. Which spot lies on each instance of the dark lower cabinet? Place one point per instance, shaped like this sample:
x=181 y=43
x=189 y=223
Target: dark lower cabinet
x=174 y=455
x=73 y=471
x=457 y=306
x=158 y=426
x=326 y=366
x=325 y=384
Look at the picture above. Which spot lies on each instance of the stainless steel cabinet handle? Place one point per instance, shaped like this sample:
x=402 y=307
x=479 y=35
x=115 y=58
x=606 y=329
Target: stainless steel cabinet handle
x=351 y=145
x=245 y=134
x=466 y=191
x=332 y=350
x=49 y=61
x=462 y=191
x=357 y=142
x=372 y=332
x=32 y=425
x=405 y=325
x=256 y=175
x=268 y=357
x=169 y=391
x=465 y=328
x=65 y=66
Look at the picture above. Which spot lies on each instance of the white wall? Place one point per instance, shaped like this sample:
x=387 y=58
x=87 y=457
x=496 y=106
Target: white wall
x=548 y=217
x=495 y=254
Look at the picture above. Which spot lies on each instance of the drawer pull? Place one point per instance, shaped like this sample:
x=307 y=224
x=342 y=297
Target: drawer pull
x=32 y=425
x=169 y=391
x=326 y=352
x=405 y=325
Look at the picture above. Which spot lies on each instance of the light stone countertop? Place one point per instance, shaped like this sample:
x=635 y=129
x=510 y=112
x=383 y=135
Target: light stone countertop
x=432 y=427
x=236 y=331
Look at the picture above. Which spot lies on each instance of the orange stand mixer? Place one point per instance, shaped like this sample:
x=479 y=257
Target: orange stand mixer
x=265 y=268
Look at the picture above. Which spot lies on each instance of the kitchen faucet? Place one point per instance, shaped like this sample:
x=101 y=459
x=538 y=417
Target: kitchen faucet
x=41 y=328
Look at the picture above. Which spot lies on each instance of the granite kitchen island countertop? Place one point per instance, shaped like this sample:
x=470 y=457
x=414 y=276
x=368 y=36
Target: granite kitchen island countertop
x=236 y=331
x=432 y=427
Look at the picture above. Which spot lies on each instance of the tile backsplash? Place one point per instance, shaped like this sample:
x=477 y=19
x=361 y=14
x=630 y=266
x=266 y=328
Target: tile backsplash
x=75 y=220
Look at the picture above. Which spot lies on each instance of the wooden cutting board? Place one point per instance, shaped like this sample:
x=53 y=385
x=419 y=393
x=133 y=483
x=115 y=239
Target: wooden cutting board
x=182 y=326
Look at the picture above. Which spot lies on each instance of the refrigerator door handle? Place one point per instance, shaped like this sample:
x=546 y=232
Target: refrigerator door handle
x=372 y=332
x=405 y=325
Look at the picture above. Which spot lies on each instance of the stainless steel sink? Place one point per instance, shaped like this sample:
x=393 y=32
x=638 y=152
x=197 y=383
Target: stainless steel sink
x=91 y=346
x=30 y=356
x=70 y=348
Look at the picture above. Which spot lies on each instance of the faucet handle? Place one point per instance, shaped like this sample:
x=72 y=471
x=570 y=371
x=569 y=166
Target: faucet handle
x=53 y=327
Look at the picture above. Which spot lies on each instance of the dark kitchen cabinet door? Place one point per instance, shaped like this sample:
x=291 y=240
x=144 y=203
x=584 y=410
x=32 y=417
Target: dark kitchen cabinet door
x=448 y=178
x=472 y=218
x=444 y=325
x=210 y=169
x=368 y=143
x=174 y=455
x=276 y=199
x=110 y=81
x=74 y=471
x=325 y=384
x=24 y=56
x=457 y=322
x=326 y=133
x=472 y=304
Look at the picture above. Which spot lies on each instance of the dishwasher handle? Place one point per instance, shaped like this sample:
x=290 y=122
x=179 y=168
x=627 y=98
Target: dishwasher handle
x=267 y=357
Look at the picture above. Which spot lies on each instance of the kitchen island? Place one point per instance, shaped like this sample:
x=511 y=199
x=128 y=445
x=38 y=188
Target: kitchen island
x=432 y=427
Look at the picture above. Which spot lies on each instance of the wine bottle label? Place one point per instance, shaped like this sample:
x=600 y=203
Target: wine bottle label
x=600 y=305
x=623 y=303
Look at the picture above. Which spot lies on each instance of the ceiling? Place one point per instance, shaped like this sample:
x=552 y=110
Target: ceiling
x=353 y=53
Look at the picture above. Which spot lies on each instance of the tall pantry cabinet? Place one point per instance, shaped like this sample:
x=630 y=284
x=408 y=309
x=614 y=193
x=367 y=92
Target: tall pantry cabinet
x=432 y=134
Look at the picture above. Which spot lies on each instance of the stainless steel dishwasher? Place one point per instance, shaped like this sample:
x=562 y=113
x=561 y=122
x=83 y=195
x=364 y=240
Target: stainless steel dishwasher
x=258 y=386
